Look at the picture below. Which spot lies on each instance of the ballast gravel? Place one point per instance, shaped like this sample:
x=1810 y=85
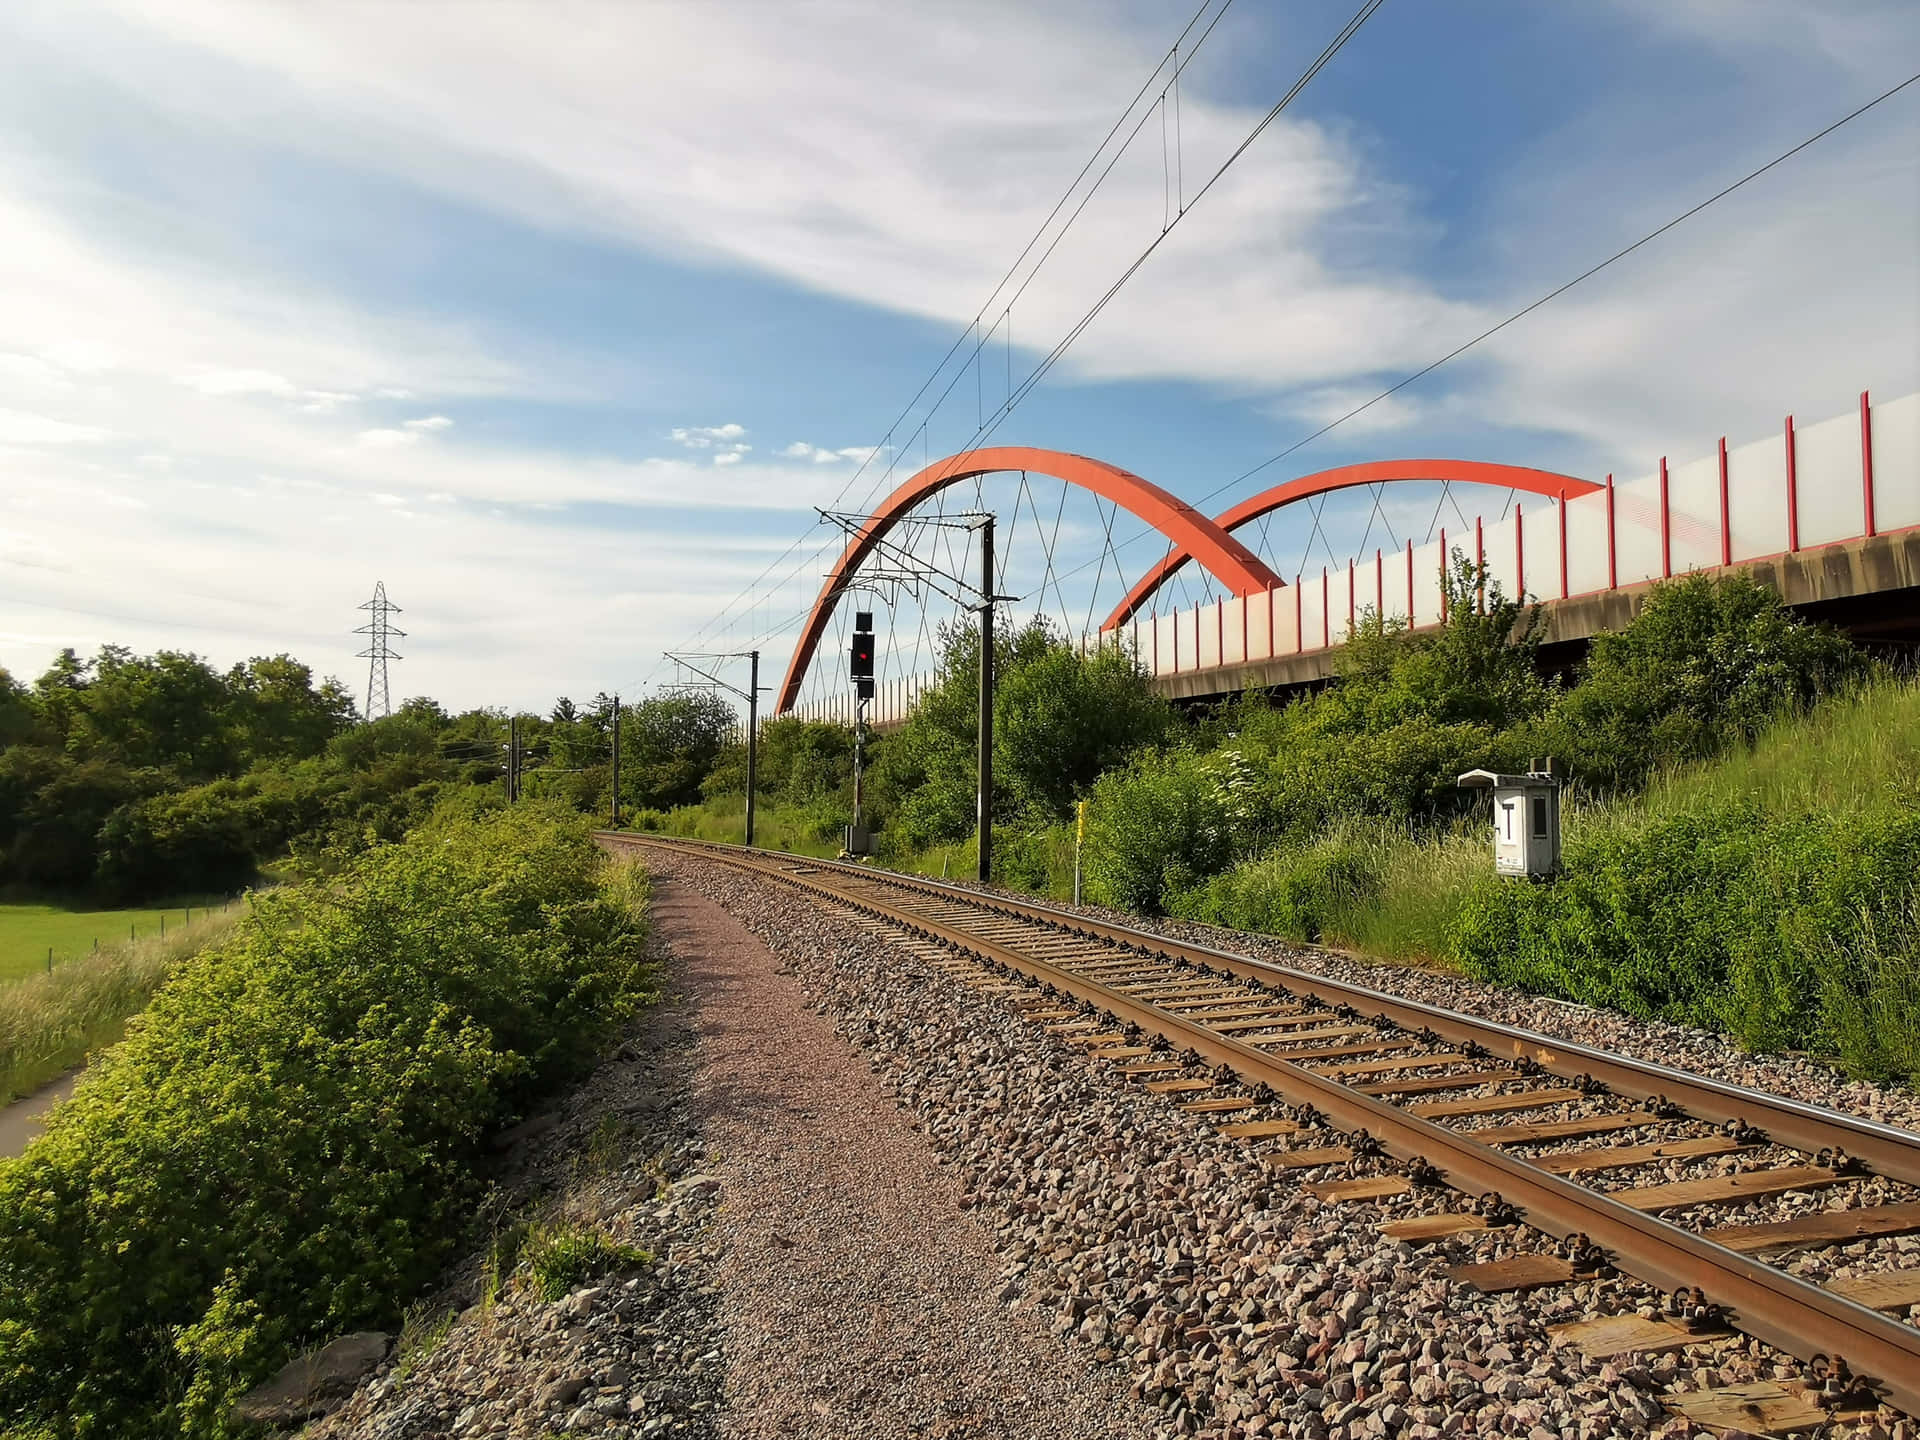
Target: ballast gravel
x=1684 y=1047
x=1171 y=1264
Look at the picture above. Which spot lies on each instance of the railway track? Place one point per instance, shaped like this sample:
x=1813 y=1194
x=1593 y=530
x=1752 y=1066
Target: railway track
x=1381 y=1097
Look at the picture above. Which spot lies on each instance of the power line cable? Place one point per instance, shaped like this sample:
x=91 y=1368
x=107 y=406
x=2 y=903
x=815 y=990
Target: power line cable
x=1526 y=310
x=987 y=305
x=1560 y=290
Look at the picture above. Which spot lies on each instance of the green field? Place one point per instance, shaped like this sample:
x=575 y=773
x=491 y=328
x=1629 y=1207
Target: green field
x=27 y=932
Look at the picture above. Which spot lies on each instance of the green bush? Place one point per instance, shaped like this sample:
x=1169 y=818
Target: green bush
x=1708 y=662
x=1158 y=825
x=286 y=1144
x=1294 y=891
x=1729 y=917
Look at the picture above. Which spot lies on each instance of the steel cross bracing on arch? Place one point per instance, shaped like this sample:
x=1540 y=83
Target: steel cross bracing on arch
x=1378 y=472
x=1236 y=566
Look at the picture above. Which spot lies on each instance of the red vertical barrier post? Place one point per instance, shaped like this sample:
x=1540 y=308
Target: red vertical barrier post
x=1520 y=552
x=1480 y=562
x=1613 y=564
x=1563 y=547
x=1793 y=491
x=1866 y=460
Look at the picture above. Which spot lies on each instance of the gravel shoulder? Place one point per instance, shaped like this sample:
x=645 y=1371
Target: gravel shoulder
x=858 y=1294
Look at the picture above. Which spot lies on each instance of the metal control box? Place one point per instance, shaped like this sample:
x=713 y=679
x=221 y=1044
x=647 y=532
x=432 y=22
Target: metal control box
x=1526 y=820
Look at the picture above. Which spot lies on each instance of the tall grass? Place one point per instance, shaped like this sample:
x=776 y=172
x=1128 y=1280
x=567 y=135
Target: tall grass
x=800 y=832
x=50 y=1022
x=1854 y=754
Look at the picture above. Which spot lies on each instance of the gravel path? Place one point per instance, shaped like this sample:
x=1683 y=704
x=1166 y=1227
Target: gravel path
x=858 y=1296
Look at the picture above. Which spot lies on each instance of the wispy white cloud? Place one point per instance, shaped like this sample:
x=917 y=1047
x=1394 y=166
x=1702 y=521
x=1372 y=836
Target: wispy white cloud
x=430 y=422
x=705 y=437
x=387 y=439
x=19 y=428
x=820 y=455
x=240 y=382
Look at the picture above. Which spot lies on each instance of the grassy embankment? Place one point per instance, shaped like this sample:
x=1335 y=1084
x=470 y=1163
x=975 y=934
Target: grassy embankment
x=1770 y=894
x=291 y=1141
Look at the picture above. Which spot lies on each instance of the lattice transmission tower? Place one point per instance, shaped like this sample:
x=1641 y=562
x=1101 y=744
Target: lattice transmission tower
x=381 y=633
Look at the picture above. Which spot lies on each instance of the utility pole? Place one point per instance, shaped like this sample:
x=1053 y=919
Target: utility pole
x=513 y=758
x=380 y=632
x=751 y=695
x=753 y=731
x=616 y=762
x=986 y=700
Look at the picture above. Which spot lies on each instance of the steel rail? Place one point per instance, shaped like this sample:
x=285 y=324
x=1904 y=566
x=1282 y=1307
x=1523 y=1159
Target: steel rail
x=1778 y=1308
x=1884 y=1149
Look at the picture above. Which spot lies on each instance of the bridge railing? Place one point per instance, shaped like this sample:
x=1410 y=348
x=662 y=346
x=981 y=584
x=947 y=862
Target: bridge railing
x=1845 y=478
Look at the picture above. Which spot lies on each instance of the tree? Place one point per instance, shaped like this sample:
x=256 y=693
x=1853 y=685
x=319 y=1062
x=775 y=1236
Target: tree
x=18 y=720
x=170 y=711
x=669 y=745
x=279 y=714
x=1060 y=719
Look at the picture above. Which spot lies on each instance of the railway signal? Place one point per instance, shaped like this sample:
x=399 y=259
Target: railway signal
x=861 y=667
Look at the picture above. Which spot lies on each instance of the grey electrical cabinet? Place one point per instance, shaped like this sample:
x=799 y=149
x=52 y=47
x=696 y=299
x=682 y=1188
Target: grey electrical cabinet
x=1526 y=819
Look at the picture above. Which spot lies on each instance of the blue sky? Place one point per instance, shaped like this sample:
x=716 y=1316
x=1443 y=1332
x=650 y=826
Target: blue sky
x=560 y=320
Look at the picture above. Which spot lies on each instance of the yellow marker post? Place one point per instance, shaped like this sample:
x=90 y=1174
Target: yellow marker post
x=1079 y=839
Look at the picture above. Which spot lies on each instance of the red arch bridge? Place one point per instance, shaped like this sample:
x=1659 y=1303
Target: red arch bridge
x=1828 y=514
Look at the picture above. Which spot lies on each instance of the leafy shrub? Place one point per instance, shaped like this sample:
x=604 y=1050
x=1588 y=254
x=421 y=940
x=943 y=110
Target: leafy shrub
x=1061 y=719
x=286 y=1144
x=1156 y=826
x=1708 y=661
